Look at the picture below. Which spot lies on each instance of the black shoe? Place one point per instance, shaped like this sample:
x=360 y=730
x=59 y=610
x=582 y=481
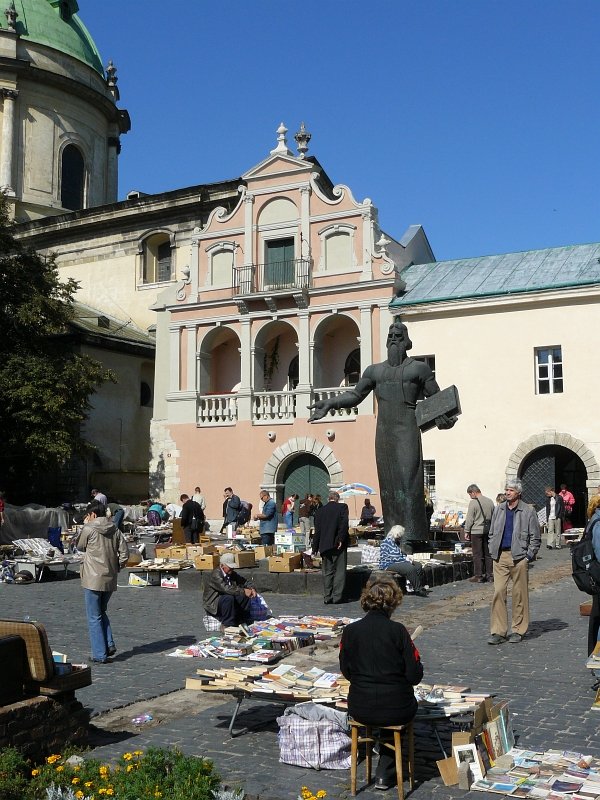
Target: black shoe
x=111 y=650
x=421 y=593
x=328 y=602
x=101 y=660
x=548 y=547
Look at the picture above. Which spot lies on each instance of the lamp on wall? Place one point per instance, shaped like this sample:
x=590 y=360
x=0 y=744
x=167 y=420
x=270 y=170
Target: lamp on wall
x=271 y=436
x=330 y=434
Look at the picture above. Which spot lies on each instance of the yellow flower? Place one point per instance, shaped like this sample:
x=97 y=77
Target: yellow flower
x=127 y=756
x=35 y=772
x=129 y=767
x=79 y=794
x=101 y=791
x=87 y=784
x=53 y=759
x=103 y=771
x=76 y=768
x=76 y=780
x=321 y=793
x=157 y=794
x=110 y=791
x=138 y=752
x=59 y=769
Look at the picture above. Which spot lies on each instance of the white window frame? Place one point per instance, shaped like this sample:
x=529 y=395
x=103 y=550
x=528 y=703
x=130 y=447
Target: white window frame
x=334 y=230
x=550 y=365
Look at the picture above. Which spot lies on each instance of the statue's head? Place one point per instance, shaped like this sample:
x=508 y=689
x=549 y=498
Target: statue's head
x=398 y=342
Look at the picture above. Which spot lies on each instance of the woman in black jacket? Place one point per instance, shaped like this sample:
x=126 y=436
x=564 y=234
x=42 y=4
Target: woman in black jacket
x=379 y=659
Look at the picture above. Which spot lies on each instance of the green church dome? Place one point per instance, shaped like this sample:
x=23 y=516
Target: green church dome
x=55 y=23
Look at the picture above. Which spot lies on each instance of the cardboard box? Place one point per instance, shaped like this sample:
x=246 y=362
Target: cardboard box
x=193 y=550
x=208 y=561
x=287 y=562
x=178 y=552
x=289 y=537
x=264 y=551
x=169 y=580
x=245 y=558
x=144 y=579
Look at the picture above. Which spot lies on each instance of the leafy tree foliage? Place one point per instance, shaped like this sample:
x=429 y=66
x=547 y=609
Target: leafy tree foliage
x=45 y=384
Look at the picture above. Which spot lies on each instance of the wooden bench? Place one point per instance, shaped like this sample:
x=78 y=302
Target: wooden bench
x=41 y=674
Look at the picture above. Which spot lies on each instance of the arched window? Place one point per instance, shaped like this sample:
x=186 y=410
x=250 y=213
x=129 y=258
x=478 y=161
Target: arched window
x=294 y=373
x=352 y=368
x=157 y=260
x=72 y=178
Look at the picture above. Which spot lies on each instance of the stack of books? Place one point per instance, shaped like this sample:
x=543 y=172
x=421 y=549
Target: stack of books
x=284 y=682
x=549 y=774
x=266 y=641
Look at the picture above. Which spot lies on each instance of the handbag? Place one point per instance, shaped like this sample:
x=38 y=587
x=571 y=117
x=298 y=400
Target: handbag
x=317 y=744
x=258 y=608
x=487 y=523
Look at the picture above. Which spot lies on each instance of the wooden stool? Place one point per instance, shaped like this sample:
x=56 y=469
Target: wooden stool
x=367 y=738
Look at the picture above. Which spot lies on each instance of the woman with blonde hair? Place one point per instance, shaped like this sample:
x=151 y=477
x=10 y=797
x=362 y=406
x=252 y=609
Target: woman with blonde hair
x=379 y=659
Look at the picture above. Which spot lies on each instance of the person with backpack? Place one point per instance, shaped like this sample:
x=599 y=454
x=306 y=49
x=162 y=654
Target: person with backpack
x=593 y=530
x=192 y=519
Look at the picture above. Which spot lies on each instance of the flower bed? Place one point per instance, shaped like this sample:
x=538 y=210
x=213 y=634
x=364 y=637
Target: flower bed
x=166 y=774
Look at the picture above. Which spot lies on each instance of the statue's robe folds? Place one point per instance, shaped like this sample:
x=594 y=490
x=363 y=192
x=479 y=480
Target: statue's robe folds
x=398 y=451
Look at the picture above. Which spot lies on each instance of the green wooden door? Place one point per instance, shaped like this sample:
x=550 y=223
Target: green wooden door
x=306 y=474
x=279 y=269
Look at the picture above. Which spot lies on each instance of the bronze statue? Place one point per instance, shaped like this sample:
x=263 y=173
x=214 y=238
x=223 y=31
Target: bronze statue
x=398 y=383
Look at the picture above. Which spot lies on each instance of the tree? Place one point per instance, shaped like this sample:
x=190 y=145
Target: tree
x=45 y=384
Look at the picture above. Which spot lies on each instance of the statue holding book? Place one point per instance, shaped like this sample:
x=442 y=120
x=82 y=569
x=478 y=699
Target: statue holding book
x=398 y=383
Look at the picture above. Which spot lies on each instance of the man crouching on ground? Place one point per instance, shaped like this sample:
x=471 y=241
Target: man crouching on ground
x=227 y=594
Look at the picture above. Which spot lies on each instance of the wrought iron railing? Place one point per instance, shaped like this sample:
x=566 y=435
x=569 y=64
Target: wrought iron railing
x=276 y=276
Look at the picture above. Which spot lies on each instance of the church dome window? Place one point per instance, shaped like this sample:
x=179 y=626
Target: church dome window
x=72 y=184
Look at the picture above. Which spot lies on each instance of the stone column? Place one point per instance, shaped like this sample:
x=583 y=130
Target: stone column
x=195 y=265
x=305 y=248
x=8 y=140
x=192 y=385
x=304 y=387
x=248 y=244
x=244 y=403
x=366 y=352
x=174 y=359
x=368 y=239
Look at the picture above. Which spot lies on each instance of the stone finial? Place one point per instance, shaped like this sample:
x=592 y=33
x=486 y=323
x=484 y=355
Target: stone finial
x=302 y=138
x=111 y=79
x=282 y=147
x=11 y=16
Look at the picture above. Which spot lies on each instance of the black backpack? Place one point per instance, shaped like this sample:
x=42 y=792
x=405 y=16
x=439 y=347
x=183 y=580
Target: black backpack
x=586 y=567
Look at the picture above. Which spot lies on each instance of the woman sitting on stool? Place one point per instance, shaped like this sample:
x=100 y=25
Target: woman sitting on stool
x=379 y=659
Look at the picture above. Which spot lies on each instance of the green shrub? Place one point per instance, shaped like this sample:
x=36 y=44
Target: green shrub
x=160 y=774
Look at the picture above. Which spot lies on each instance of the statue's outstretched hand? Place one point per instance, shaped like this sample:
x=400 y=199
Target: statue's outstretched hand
x=321 y=407
x=444 y=422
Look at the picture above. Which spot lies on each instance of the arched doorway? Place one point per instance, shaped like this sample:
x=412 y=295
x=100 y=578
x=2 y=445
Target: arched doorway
x=552 y=465
x=305 y=474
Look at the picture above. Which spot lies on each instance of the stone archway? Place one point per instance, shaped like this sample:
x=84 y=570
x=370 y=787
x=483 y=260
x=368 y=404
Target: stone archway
x=555 y=438
x=302 y=444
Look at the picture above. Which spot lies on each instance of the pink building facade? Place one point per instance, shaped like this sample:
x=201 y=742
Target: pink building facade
x=285 y=301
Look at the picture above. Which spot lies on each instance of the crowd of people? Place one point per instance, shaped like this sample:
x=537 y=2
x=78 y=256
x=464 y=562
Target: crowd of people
x=377 y=654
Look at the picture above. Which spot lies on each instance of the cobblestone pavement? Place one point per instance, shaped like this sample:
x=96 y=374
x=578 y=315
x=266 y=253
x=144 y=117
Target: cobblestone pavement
x=544 y=677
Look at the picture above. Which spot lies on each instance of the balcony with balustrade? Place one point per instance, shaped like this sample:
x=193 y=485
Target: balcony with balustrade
x=292 y=275
x=219 y=410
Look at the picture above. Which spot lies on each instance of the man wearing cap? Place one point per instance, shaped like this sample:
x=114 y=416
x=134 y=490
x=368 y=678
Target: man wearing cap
x=227 y=594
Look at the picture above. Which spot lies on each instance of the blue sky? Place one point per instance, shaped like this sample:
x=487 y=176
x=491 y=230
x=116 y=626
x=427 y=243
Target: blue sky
x=479 y=120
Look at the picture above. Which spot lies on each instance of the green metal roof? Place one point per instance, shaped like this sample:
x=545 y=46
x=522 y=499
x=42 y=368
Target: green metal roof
x=41 y=21
x=510 y=273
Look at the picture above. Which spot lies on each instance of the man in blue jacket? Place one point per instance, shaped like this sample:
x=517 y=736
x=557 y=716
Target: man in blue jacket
x=267 y=519
x=515 y=539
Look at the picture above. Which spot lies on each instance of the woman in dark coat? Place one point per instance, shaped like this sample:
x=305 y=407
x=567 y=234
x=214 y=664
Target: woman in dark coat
x=379 y=659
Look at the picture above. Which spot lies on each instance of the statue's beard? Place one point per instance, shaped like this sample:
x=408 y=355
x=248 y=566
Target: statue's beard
x=396 y=354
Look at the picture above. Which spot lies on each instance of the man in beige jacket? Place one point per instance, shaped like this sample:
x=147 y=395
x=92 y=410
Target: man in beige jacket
x=105 y=553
